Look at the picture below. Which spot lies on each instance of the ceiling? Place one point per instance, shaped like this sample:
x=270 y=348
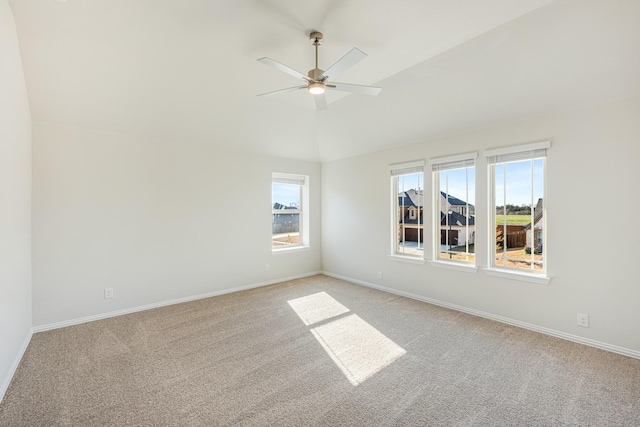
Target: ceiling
x=187 y=70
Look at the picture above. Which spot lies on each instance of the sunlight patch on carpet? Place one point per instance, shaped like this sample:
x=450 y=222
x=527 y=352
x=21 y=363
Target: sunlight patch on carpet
x=357 y=348
x=317 y=307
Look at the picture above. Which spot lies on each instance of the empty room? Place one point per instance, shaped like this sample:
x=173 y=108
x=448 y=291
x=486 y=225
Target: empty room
x=341 y=213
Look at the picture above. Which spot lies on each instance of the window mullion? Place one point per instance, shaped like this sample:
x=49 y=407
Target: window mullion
x=418 y=213
x=447 y=214
x=467 y=214
x=532 y=229
x=504 y=214
x=402 y=216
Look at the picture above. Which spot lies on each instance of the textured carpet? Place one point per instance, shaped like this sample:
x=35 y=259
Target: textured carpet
x=315 y=351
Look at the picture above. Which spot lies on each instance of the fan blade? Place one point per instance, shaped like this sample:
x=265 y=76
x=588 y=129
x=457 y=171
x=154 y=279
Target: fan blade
x=321 y=102
x=278 y=66
x=354 y=56
x=359 y=89
x=289 y=89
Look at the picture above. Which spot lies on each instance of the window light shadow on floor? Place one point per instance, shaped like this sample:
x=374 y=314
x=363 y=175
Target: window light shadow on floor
x=356 y=347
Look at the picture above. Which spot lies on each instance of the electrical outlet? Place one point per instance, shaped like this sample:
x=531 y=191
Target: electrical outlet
x=379 y=275
x=583 y=320
x=108 y=293
x=267 y=267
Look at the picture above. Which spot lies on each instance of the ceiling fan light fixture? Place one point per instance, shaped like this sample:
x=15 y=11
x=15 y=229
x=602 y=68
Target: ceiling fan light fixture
x=316 y=88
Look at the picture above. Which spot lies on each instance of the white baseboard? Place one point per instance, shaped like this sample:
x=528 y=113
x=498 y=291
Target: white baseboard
x=14 y=366
x=100 y=316
x=575 y=338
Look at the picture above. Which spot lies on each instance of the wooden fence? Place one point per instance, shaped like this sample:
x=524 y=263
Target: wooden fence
x=516 y=236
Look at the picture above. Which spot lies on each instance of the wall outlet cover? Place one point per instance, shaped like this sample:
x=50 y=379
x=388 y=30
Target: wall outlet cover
x=583 y=320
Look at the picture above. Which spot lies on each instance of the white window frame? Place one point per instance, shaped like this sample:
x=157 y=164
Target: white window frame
x=533 y=151
x=396 y=171
x=303 y=210
x=438 y=165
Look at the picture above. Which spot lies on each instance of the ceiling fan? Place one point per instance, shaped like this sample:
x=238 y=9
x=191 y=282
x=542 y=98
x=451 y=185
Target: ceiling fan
x=317 y=81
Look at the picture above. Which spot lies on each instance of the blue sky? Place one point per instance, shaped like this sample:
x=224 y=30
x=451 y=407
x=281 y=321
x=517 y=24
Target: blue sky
x=518 y=184
x=455 y=181
x=285 y=194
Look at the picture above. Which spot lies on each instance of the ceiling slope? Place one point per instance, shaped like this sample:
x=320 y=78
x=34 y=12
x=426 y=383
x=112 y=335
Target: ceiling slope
x=188 y=70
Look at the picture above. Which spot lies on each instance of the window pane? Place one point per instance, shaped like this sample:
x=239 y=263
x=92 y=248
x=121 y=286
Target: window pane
x=286 y=195
x=519 y=200
x=286 y=206
x=409 y=238
x=456 y=203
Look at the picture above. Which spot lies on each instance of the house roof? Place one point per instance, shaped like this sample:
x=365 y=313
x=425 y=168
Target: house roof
x=278 y=206
x=410 y=198
x=454 y=201
x=404 y=200
x=456 y=219
x=415 y=198
x=186 y=71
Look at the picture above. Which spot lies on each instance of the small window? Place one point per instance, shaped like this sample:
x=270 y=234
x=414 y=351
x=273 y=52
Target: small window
x=517 y=207
x=289 y=220
x=407 y=196
x=454 y=222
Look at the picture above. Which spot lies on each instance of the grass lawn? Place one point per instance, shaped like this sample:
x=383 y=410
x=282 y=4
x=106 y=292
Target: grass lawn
x=514 y=219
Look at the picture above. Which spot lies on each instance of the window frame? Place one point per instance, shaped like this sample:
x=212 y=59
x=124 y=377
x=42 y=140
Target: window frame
x=396 y=170
x=439 y=165
x=503 y=156
x=303 y=210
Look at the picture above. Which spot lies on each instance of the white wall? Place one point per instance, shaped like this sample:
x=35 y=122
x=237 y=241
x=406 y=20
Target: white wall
x=154 y=219
x=593 y=263
x=15 y=202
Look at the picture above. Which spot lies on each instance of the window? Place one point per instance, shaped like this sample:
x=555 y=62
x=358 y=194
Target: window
x=289 y=208
x=407 y=230
x=454 y=222
x=517 y=207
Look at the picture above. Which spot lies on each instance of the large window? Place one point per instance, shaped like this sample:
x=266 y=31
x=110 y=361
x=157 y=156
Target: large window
x=454 y=222
x=289 y=200
x=407 y=195
x=517 y=207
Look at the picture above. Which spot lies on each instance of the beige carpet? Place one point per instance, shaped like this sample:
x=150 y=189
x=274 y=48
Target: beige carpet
x=315 y=351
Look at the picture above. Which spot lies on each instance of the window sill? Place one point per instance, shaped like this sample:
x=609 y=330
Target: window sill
x=288 y=250
x=455 y=266
x=407 y=259
x=516 y=275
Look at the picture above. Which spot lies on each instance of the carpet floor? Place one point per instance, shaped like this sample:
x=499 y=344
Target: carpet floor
x=315 y=351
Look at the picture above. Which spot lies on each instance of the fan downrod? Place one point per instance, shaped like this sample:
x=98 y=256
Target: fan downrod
x=316 y=40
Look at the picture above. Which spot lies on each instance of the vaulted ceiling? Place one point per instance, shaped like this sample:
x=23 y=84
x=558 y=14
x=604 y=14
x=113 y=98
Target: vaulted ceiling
x=187 y=70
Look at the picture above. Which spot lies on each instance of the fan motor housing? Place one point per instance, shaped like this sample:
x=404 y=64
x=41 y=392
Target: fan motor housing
x=315 y=74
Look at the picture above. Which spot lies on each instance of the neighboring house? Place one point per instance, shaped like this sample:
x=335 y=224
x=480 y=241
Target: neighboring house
x=455 y=225
x=411 y=206
x=535 y=239
x=455 y=205
x=285 y=222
